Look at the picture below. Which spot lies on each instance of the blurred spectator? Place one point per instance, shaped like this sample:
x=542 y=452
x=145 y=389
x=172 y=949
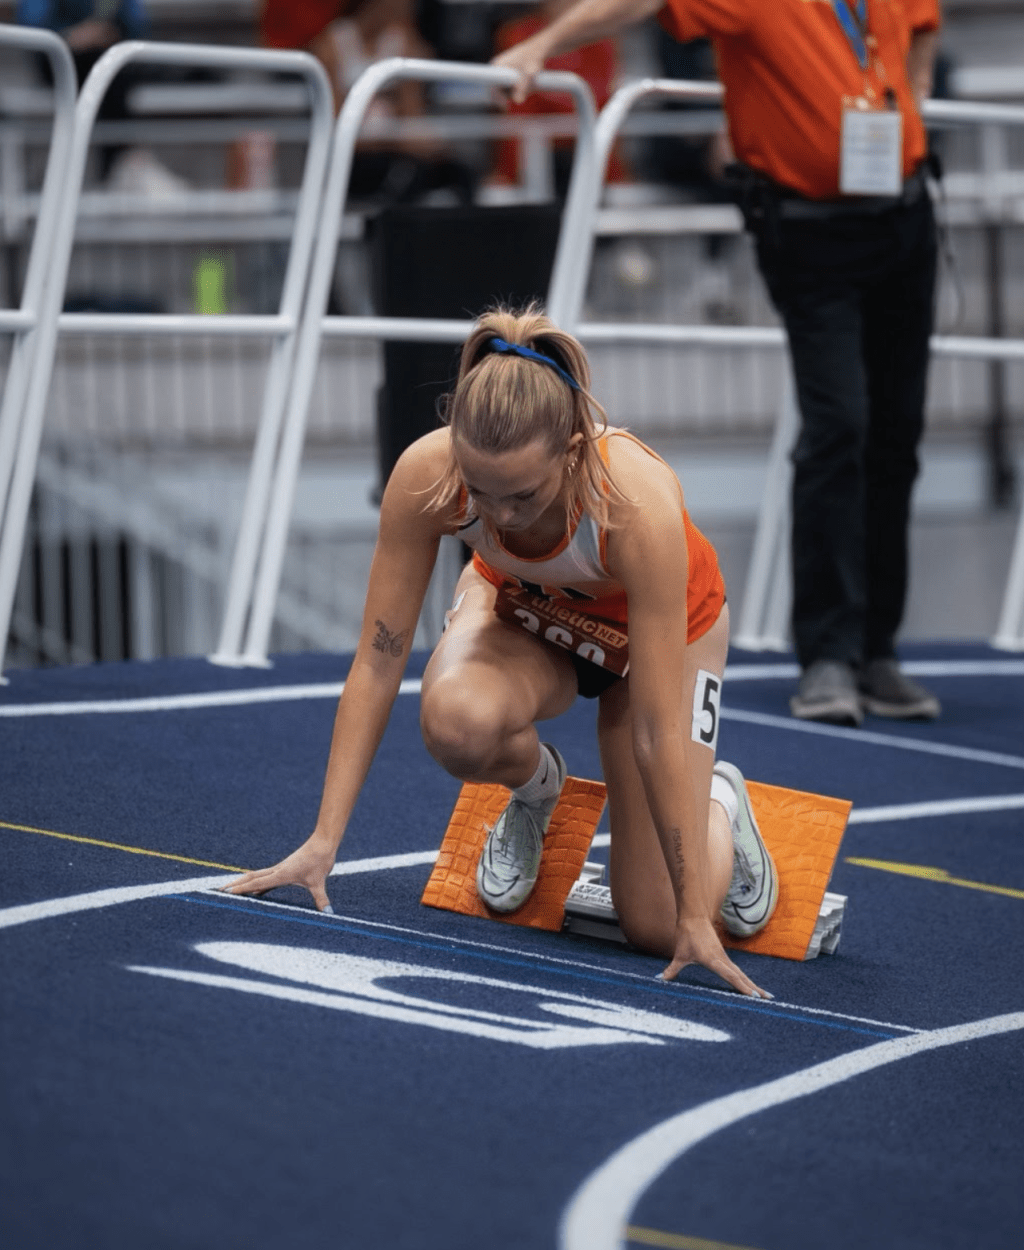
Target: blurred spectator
x=90 y=27
x=347 y=36
x=596 y=64
x=695 y=163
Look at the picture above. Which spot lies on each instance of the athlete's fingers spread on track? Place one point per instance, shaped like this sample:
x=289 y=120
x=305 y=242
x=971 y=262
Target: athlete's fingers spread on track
x=308 y=866
x=698 y=943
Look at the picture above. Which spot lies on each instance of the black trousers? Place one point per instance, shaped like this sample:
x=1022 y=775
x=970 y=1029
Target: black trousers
x=856 y=294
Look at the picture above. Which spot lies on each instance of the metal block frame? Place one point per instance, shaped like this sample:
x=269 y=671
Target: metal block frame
x=251 y=597
x=42 y=322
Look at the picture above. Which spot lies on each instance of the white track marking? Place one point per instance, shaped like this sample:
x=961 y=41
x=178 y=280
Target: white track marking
x=190 y=702
x=49 y=908
x=913 y=668
x=599 y=1212
x=581 y=965
x=865 y=738
x=346 y=982
x=381 y=862
x=939 y=807
x=331 y=690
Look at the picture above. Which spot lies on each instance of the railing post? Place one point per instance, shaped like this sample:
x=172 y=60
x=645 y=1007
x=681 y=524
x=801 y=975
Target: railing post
x=37 y=384
x=367 y=86
x=25 y=341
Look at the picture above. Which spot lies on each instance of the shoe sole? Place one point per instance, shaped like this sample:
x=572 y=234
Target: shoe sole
x=735 y=924
x=925 y=710
x=834 y=713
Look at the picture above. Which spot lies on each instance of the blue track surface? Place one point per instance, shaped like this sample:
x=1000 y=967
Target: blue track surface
x=183 y=1069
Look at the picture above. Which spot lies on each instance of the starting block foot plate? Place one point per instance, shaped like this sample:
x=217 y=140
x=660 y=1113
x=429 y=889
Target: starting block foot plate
x=452 y=884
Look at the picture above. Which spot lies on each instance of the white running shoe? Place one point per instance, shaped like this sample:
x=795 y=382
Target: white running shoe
x=754 y=889
x=510 y=860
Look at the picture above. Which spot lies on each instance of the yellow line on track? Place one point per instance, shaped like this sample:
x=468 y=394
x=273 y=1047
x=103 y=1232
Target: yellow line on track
x=674 y=1241
x=118 y=846
x=934 y=874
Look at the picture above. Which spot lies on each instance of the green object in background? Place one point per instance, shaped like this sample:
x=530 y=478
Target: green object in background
x=211 y=285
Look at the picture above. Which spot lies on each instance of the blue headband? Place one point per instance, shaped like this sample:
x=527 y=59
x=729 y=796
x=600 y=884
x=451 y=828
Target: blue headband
x=515 y=349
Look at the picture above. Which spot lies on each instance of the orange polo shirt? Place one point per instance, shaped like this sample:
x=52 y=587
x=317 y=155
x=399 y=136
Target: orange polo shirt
x=787 y=67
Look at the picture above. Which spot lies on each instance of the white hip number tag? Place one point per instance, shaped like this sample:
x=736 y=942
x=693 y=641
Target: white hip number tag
x=707 y=694
x=871 y=152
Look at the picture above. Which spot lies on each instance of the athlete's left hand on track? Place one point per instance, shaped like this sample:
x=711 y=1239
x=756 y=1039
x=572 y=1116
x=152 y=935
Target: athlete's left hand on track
x=309 y=866
x=698 y=943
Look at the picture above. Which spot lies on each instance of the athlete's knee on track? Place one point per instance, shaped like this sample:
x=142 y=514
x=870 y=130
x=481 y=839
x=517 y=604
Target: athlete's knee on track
x=460 y=730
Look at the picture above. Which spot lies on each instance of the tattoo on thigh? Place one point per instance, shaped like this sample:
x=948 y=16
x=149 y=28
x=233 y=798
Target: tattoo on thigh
x=389 y=643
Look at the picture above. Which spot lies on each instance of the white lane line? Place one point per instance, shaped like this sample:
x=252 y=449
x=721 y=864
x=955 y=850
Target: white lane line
x=913 y=668
x=47 y=909
x=190 y=702
x=939 y=807
x=331 y=690
x=865 y=737
x=599 y=1212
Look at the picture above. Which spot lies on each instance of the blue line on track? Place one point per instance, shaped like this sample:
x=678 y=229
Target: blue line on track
x=336 y=926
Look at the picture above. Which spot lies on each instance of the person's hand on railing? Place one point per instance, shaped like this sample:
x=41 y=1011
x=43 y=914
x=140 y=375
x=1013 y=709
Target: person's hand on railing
x=527 y=59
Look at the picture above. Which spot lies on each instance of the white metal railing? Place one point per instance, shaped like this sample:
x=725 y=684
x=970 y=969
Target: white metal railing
x=298 y=328
x=281 y=328
x=256 y=568
x=24 y=323
x=763 y=623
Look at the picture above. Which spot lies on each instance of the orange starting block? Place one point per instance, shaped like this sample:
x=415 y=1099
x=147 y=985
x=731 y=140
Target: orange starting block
x=803 y=832
x=452 y=884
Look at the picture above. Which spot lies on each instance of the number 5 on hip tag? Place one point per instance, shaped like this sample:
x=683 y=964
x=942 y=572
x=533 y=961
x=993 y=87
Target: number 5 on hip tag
x=707 y=694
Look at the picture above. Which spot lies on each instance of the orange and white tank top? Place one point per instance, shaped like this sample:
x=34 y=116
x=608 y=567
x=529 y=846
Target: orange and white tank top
x=576 y=570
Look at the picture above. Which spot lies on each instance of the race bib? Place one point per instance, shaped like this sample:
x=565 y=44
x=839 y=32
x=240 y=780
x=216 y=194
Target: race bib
x=707 y=697
x=604 y=643
x=871 y=152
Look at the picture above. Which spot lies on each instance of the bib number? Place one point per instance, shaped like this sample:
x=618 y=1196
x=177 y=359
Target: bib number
x=604 y=643
x=707 y=695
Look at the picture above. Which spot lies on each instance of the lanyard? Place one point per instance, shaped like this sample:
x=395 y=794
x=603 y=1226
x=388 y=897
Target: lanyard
x=855 y=26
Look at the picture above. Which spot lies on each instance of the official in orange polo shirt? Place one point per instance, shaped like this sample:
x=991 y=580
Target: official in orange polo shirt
x=821 y=98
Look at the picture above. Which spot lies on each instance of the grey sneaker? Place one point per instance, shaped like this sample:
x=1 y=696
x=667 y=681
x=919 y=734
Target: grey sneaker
x=885 y=691
x=828 y=692
x=510 y=860
x=754 y=889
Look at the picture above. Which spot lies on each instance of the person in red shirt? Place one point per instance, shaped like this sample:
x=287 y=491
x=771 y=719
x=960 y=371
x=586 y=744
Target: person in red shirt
x=822 y=106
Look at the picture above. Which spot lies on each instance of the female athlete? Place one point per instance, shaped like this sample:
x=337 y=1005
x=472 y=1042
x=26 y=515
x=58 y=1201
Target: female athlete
x=581 y=543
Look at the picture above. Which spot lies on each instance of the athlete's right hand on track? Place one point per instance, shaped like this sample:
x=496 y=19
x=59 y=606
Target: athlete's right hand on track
x=309 y=866
x=698 y=943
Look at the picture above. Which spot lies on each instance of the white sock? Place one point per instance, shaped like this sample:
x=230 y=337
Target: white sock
x=722 y=792
x=544 y=783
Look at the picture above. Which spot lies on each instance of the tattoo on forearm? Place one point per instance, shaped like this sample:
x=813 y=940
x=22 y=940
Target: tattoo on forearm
x=389 y=643
x=677 y=846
